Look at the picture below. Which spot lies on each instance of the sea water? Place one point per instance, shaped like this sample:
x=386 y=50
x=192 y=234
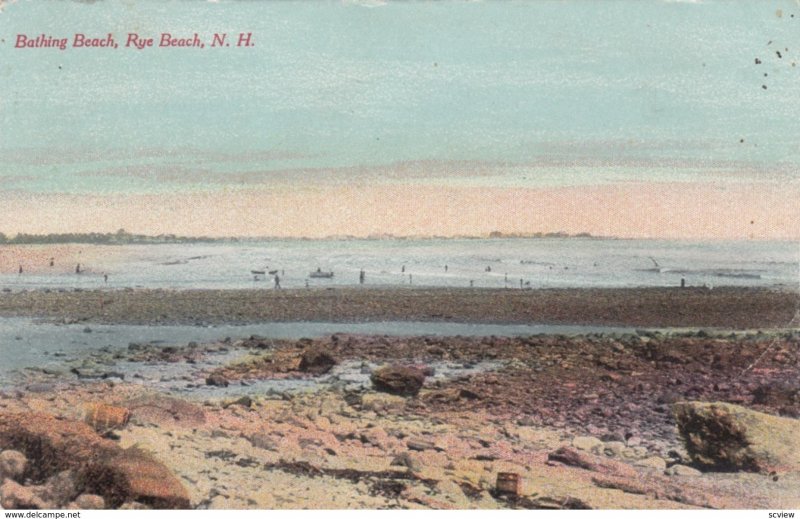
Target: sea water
x=28 y=343
x=486 y=263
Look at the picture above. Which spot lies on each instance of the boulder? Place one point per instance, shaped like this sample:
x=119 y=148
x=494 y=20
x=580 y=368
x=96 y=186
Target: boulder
x=72 y=455
x=722 y=436
x=14 y=496
x=50 y=444
x=316 y=360
x=166 y=411
x=104 y=418
x=398 y=380
x=575 y=458
x=216 y=380
x=12 y=465
x=381 y=402
x=134 y=474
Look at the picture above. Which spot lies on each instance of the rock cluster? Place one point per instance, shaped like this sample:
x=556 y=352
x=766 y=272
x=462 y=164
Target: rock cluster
x=727 y=437
x=51 y=463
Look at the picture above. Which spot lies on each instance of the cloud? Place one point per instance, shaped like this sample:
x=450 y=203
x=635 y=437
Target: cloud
x=41 y=156
x=4 y=3
x=366 y=3
x=645 y=210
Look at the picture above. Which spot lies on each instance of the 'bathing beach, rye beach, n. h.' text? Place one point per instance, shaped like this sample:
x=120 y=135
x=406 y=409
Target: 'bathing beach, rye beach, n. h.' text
x=133 y=40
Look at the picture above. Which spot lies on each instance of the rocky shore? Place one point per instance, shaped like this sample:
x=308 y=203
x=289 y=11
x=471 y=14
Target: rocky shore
x=724 y=307
x=646 y=420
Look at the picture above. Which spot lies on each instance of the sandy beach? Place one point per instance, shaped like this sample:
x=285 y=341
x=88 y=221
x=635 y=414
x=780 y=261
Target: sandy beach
x=724 y=307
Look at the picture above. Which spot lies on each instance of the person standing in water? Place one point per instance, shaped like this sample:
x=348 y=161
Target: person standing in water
x=78 y=269
x=52 y=261
x=105 y=278
x=277 y=282
x=20 y=269
x=361 y=276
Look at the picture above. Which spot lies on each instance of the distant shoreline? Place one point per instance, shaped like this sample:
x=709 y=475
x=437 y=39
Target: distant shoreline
x=725 y=307
x=110 y=239
x=124 y=238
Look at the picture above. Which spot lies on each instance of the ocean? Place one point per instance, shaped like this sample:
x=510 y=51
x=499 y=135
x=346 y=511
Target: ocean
x=486 y=263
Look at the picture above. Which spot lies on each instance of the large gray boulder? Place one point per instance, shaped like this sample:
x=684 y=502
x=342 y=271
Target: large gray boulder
x=728 y=437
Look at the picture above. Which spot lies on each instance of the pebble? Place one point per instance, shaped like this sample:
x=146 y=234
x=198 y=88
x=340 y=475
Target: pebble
x=40 y=387
x=217 y=380
x=634 y=441
x=263 y=441
x=640 y=452
x=133 y=505
x=613 y=448
x=90 y=502
x=653 y=462
x=629 y=454
x=586 y=443
x=420 y=445
x=404 y=459
x=612 y=437
x=682 y=470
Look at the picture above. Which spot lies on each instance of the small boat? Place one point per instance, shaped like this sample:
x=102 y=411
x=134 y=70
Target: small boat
x=321 y=274
x=273 y=272
x=257 y=272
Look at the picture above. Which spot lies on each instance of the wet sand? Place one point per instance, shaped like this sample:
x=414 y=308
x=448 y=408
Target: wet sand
x=725 y=307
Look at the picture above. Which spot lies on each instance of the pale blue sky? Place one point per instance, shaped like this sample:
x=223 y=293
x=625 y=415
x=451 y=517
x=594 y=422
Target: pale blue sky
x=628 y=89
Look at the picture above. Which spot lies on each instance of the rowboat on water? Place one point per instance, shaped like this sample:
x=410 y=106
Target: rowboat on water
x=257 y=272
x=321 y=274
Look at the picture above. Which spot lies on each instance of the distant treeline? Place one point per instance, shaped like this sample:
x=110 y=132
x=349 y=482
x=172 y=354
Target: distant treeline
x=115 y=238
x=498 y=234
x=124 y=237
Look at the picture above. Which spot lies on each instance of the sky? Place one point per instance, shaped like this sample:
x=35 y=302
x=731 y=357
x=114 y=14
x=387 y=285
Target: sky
x=639 y=118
